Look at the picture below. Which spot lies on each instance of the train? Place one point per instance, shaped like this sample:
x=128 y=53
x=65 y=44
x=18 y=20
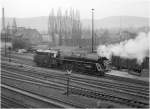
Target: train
x=130 y=64
x=56 y=59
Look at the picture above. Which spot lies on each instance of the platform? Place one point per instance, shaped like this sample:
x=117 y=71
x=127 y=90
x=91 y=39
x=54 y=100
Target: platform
x=127 y=75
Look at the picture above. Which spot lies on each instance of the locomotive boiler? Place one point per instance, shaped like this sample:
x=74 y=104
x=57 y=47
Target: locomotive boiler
x=55 y=59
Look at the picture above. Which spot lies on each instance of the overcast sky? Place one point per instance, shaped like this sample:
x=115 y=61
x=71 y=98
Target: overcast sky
x=103 y=8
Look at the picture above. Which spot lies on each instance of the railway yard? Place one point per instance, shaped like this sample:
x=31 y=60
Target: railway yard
x=23 y=84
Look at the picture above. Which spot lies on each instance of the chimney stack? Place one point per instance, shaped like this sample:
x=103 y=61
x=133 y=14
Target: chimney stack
x=3 y=19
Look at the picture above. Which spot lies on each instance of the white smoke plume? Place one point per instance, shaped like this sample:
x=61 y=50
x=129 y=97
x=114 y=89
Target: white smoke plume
x=137 y=48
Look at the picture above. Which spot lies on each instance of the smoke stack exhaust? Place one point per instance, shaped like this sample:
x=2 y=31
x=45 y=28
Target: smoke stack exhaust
x=137 y=48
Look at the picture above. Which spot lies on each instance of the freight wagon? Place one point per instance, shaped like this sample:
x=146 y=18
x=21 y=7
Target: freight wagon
x=130 y=64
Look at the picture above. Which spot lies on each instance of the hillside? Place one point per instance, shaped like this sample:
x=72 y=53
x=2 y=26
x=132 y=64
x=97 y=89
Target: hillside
x=40 y=23
x=117 y=22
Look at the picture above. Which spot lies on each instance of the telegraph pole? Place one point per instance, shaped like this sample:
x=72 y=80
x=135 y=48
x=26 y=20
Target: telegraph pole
x=92 y=30
x=3 y=28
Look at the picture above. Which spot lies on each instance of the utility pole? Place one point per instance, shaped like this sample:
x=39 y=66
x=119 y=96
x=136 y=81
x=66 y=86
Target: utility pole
x=3 y=19
x=92 y=30
x=3 y=29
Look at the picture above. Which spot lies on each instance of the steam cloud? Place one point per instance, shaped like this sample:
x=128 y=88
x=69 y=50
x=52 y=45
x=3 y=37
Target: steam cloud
x=137 y=48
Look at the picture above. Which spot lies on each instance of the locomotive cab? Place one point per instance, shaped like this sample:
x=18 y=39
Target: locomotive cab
x=46 y=58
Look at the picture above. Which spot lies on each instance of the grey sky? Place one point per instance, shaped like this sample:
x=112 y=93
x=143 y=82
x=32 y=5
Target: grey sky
x=103 y=8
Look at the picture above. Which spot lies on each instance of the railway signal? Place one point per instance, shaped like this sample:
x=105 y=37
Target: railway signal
x=69 y=71
x=9 y=48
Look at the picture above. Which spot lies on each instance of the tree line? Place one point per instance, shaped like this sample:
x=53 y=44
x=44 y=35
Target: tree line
x=65 y=25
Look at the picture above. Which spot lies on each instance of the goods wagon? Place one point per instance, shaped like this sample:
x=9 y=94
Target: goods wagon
x=130 y=64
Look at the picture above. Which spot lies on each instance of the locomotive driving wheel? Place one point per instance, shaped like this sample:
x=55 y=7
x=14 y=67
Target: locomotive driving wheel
x=100 y=69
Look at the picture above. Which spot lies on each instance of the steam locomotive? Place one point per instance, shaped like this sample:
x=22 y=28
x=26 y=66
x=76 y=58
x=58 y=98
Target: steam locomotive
x=55 y=59
x=130 y=64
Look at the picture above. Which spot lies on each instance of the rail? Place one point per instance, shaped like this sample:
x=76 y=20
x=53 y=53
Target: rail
x=101 y=95
x=49 y=101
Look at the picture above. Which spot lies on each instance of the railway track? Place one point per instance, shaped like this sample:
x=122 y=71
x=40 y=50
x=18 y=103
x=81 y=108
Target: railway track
x=107 y=76
x=36 y=98
x=94 y=94
x=8 y=102
x=41 y=84
x=20 y=60
x=62 y=80
x=129 y=80
x=62 y=86
x=124 y=84
x=97 y=95
x=90 y=92
x=110 y=84
x=19 y=56
x=100 y=82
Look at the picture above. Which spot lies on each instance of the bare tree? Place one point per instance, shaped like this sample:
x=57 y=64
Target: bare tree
x=67 y=26
x=51 y=26
x=14 y=26
x=59 y=22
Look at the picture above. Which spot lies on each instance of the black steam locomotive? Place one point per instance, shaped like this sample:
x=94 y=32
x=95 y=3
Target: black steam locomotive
x=130 y=64
x=54 y=59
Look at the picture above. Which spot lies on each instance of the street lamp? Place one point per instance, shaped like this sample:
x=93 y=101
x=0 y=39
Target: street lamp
x=92 y=30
